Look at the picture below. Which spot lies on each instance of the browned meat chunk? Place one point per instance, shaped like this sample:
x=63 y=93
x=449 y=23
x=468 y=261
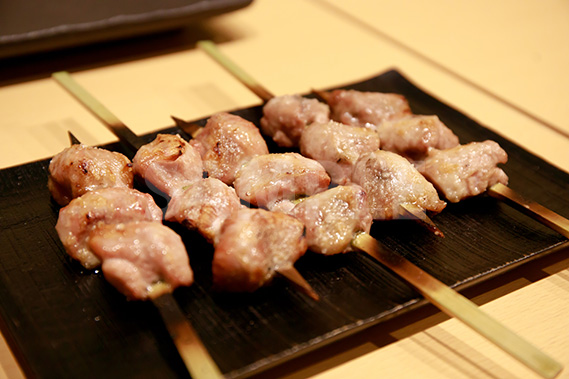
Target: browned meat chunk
x=367 y=109
x=204 y=205
x=79 y=169
x=253 y=245
x=285 y=117
x=333 y=217
x=267 y=179
x=95 y=208
x=391 y=181
x=141 y=259
x=227 y=142
x=337 y=147
x=414 y=135
x=466 y=170
x=168 y=163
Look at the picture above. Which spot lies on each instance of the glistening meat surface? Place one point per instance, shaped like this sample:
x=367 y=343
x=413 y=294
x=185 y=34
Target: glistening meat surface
x=79 y=169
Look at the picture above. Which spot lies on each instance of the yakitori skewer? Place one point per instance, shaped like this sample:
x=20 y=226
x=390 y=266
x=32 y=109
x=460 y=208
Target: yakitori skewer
x=134 y=142
x=192 y=351
x=442 y=296
x=407 y=209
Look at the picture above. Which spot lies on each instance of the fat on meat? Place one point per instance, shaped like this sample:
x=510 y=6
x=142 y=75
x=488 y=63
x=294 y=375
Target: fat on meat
x=414 y=135
x=367 y=109
x=141 y=259
x=268 y=179
x=337 y=147
x=332 y=218
x=391 y=181
x=204 y=206
x=227 y=142
x=466 y=170
x=80 y=168
x=253 y=245
x=168 y=163
x=95 y=208
x=285 y=117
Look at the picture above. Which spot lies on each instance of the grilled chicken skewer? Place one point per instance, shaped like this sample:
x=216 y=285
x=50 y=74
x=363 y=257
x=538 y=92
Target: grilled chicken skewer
x=442 y=296
x=134 y=143
x=101 y=225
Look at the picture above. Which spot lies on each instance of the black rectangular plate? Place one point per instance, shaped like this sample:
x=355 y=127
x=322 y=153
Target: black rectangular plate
x=62 y=321
x=32 y=26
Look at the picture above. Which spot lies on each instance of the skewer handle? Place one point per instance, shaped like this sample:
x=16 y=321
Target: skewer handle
x=112 y=122
x=549 y=218
x=211 y=49
x=456 y=305
x=194 y=354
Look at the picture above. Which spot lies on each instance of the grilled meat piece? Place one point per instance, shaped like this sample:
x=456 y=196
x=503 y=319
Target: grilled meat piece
x=141 y=259
x=204 y=205
x=253 y=245
x=227 y=142
x=413 y=136
x=168 y=163
x=79 y=169
x=95 y=208
x=391 y=181
x=267 y=179
x=466 y=170
x=337 y=147
x=285 y=117
x=333 y=217
x=367 y=109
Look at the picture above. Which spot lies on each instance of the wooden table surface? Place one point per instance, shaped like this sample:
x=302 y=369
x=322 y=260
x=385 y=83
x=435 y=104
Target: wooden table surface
x=502 y=63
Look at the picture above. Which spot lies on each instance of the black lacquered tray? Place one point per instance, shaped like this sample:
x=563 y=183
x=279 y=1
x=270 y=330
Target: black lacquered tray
x=31 y=26
x=63 y=321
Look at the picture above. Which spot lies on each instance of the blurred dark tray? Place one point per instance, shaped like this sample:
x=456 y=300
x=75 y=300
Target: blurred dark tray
x=31 y=26
x=62 y=321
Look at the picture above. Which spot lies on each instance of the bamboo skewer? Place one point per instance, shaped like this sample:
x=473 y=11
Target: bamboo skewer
x=440 y=295
x=134 y=142
x=189 y=345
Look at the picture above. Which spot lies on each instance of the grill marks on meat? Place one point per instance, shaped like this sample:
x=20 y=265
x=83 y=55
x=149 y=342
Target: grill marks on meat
x=253 y=244
x=96 y=208
x=141 y=259
x=333 y=217
x=79 y=169
x=268 y=179
x=367 y=109
x=227 y=142
x=391 y=181
x=337 y=147
x=168 y=163
x=413 y=136
x=466 y=170
x=285 y=117
x=204 y=206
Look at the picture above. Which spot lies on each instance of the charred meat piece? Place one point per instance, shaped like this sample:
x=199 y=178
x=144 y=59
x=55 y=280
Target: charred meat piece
x=95 y=208
x=141 y=259
x=337 y=147
x=267 y=179
x=332 y=218
x=168 y=163
x=465 y=170
x=79 y=169
x=391 y=181
x=285 y=117
x=227 y=142
x=414 y=135
x=367 y=109
x=253 y=245
x=204 y=205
